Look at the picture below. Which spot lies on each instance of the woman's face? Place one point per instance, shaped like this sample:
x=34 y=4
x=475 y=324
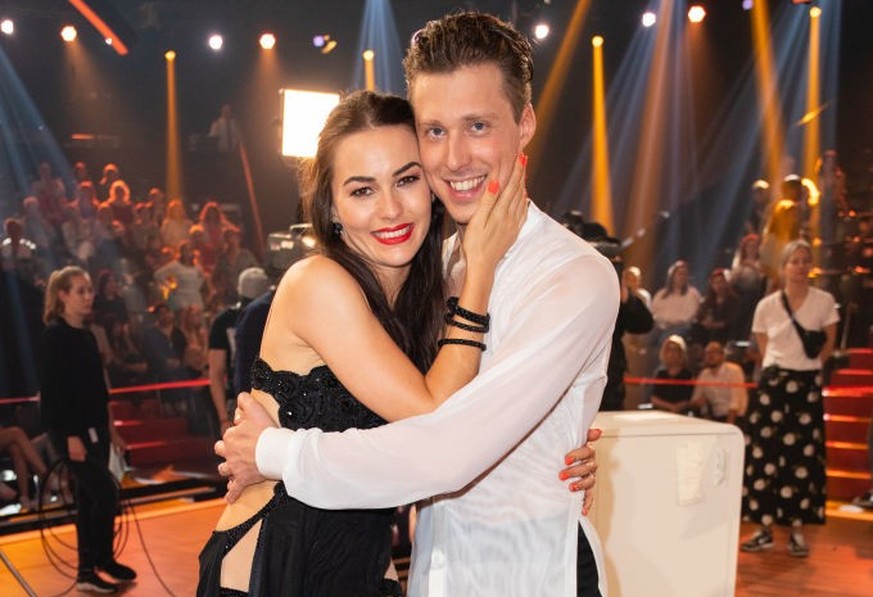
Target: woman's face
x=672 y=355
x=381 y=198
x=718 y=283
x=680 y=276
x=79 y=299
x=797 y=268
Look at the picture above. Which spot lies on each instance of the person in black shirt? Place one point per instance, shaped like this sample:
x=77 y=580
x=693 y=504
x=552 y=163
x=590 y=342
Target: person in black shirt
x=673 y=398
x=251 y=284
x=75 y=413
x=249 y=330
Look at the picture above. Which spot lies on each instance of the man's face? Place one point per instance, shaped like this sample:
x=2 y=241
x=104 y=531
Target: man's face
x=713 y=355
x=467 y=134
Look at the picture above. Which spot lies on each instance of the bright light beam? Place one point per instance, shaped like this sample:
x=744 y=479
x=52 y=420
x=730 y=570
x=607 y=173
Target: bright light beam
x=812 y=132
x=174 y=146
x=548 y=100
x=379 y=34
x=369 y=70
x=601 y=190
x=769 y=102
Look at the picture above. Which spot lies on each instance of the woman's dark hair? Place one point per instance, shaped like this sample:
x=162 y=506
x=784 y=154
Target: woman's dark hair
x=414 y=322
x=711 y=299
x=103 y=279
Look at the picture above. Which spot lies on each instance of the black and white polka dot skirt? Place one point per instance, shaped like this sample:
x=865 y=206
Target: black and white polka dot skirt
x=785 y=450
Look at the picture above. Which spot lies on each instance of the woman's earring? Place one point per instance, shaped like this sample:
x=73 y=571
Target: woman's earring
x=337 y=228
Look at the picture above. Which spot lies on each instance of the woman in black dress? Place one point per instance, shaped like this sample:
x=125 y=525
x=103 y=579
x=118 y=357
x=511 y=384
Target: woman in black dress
x=349 y=333
x=75 y=413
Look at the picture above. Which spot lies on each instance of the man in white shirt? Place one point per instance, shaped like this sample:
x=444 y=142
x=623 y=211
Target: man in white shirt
x=502 y=522
x=720 y=391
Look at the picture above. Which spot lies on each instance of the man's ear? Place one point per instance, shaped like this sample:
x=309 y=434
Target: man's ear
x=527 y=125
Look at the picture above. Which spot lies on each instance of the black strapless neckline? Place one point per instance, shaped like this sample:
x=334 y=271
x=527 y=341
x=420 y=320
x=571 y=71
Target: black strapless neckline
x=314 y=399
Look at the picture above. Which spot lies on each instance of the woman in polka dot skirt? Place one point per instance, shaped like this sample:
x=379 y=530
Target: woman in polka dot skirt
x=785 y=455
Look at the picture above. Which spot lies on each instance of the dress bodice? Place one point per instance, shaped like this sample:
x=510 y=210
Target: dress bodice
x=316 y=399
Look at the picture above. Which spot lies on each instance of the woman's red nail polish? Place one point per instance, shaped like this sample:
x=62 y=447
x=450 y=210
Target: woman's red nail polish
x=563 y=476
x=523 y=159
x=493 y=186
x=568 y=460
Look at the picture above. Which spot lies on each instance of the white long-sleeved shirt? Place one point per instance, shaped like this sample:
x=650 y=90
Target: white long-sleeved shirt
x=502 y=522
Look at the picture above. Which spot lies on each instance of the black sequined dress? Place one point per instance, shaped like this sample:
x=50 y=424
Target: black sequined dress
x=304 y=551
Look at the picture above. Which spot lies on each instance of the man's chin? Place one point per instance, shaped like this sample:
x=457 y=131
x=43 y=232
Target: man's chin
x=461 y=214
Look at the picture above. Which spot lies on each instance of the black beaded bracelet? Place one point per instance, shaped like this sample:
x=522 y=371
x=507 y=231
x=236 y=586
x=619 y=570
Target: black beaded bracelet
x=462 y=341
x=456 y=309
x=461 y=325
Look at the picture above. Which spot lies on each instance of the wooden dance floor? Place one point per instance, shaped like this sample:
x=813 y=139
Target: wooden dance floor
x=840 y=565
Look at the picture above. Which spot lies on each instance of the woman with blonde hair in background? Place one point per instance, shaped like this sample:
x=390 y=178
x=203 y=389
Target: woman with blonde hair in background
x=75 y=412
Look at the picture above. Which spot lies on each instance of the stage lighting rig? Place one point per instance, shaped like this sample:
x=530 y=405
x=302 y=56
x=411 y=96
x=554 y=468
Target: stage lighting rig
x=69 y=34
x=7 y=27
x=696 y=13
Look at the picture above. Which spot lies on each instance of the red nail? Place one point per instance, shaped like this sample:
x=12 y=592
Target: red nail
x=523 y=159
x=568 y=460
x=493 y=186
x=563 y=475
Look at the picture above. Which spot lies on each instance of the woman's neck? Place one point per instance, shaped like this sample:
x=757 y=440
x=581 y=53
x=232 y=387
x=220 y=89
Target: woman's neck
x=74 y=321
x=796 y=290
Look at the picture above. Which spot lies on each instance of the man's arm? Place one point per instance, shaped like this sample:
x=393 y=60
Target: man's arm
x=564 y=326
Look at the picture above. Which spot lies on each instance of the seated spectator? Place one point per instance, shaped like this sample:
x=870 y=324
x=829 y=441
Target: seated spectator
x=50 y=195
x=163 y=346
x=108 y=299
x=17 y=253
x=144 y=227
x=110 y=175
x=748 y=282
x=158 y=200
x=25 y=462
x=207 y=254
x=175 y=226
x=126 y=366
x=182 y=280
x=633 y=277
x=213 y=221
x=36 y=227
x=724 y=403
x=231 y=264
x=716 y=317
x=119 y=201
x=80 y=173
x=110 y=240
x=675 y=306
x=193 y=325
x=666 y=396
x=76 y=232
x=86 y=196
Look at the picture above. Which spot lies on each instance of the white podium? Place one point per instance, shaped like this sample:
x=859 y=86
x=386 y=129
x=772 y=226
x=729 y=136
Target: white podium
x=667 y=504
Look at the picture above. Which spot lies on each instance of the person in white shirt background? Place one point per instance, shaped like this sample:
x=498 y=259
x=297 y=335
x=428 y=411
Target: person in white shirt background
x=502 y=523
x=720 y=393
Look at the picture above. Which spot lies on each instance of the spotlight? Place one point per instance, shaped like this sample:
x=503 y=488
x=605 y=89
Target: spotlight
x=328 y=47
x=68 y=34
x=541 y=31
x=696 y=13
x=319 y=40
x=216 y=41
x=649 y=18
x=597 y=41
x=108 y=41
x=170 y=55
x=7 y=26
x=268 y=41
x=368 y=55
x=815 y=12
x=748 y=4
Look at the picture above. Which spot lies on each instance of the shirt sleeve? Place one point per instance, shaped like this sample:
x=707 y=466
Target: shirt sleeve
x=560 y=336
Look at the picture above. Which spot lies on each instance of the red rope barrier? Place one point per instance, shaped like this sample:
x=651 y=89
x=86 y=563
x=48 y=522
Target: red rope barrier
x=169 y=385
